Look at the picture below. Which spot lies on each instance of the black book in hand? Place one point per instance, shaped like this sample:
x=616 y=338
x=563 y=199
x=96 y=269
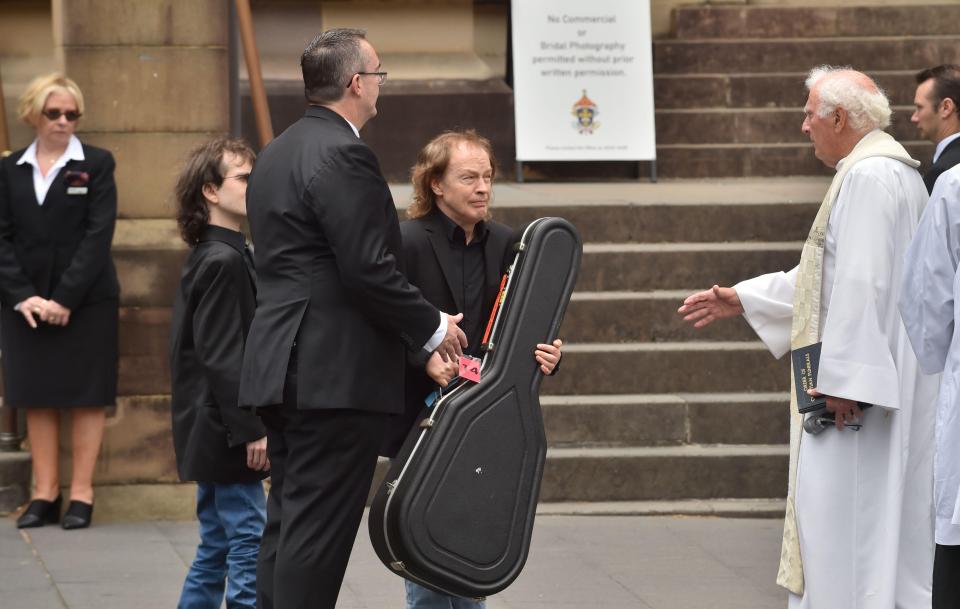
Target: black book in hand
x=806 y=361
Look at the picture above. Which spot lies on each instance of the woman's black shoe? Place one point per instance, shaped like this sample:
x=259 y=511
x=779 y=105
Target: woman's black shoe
x=78 y=515
x=39 y=513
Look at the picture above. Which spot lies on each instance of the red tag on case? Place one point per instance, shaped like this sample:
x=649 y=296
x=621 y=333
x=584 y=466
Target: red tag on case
x=470 y=368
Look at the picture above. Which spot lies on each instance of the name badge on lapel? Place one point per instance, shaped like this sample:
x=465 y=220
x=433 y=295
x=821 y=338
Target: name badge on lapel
x=76 y=182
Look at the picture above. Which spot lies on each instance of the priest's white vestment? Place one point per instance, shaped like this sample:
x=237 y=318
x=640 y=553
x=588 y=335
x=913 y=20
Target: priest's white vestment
x=863 y=498
x=929 y=305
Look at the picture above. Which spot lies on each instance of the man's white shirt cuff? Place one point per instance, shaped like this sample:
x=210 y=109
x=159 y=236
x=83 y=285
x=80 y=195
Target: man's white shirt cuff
x=438 y=335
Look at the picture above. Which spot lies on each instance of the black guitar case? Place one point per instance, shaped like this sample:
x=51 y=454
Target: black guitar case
x=456 y=510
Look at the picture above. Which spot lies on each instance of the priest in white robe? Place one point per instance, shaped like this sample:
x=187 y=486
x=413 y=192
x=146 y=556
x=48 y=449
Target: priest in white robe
x=858 y=532
x=930 y=307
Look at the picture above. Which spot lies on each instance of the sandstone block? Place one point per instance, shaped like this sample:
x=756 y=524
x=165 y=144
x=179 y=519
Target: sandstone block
x=137 y=444
x=144 y=22
x=144 y=88
x=147 y=166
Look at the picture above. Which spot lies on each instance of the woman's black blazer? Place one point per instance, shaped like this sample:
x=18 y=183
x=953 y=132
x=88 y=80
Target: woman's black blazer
x=59 y=250
x=211 y=316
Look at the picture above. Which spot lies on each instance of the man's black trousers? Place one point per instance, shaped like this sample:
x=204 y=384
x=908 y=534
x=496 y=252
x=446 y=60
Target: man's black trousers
x=946 y=578
x=321 y=466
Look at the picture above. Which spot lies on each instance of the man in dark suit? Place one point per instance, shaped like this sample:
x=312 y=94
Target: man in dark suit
x=937 y=117
x=456 y=255
x=323 y=363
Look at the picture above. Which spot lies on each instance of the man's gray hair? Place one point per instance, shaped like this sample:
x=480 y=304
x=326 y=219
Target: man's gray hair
x=866 y=104
x=329 y=62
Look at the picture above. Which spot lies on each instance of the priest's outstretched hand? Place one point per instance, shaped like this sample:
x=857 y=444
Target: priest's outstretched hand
x=703 y=308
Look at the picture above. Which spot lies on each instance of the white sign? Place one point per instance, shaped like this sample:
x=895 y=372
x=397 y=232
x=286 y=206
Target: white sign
x=583 y=80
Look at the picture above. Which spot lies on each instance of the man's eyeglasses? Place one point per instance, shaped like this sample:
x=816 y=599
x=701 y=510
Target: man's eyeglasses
x=54 y=115
x=381 y=77
x=240 y=176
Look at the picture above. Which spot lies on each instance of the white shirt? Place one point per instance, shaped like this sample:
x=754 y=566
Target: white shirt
x=943 y=144
x=41 y=183
x=356 y=131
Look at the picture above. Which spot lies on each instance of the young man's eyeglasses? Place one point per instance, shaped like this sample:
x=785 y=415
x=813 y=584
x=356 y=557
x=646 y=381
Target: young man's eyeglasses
x=55 y=115
x=381 y=77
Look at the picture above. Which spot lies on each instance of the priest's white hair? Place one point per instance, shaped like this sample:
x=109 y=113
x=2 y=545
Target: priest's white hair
x=866 y=104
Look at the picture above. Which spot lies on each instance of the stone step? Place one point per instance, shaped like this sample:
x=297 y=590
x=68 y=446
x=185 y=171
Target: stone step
x=801 y=54
x=665 y=473
x=591 y=317
x=666 y=419
x=753 y=125
x=719 y=508
x=605 y=368
x=618 y=317
x=646 y=221
x=611 y=317
x=814 y=21
x=177 y=501
x=755 y=160
x=664 y=266
x=149 y=255
x=631 y=368
x=774 y=90
x=149 y=276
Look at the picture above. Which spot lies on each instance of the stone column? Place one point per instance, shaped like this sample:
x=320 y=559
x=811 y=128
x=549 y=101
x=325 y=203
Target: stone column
x=154 y=74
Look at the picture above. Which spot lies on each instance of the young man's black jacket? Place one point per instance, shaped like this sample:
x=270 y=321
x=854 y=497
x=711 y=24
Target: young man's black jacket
x=211 y=315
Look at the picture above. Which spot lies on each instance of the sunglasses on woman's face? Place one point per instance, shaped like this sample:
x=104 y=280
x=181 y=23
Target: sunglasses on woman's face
x=54 y=115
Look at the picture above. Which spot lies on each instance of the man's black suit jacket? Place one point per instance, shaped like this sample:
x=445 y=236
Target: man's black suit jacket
x=211 y=314
x=61 y=249
x=430 y=267
x=329 y=278
x=948 y=158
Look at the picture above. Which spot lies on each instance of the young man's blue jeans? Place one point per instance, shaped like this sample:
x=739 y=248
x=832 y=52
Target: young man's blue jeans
x=419 y=597
x=231 y=522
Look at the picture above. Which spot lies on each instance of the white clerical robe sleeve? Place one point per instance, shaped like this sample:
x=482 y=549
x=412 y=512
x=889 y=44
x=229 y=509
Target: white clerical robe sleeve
x=856 y=361
x=767 y=303
x=927 y=297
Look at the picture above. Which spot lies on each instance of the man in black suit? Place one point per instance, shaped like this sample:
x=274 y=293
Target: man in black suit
x=456 y=255
x=323 y=363
x=937 y=117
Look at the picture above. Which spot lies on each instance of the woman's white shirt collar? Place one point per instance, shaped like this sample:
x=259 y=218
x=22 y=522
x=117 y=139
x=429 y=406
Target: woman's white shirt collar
x=41 y=183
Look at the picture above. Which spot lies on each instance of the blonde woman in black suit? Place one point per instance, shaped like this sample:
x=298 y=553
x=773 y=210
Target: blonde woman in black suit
x=58 y=294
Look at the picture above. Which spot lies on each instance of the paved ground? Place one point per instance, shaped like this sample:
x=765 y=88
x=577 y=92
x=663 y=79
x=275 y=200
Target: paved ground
x=576 y=562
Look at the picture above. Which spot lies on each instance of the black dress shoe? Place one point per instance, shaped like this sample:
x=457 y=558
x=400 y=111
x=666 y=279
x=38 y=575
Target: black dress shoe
x=78 y=515
x=39 y=513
